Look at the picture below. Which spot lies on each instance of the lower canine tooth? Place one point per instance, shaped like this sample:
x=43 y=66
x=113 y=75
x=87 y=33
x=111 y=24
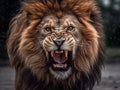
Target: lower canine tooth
x=54 y=65
x=65 y=65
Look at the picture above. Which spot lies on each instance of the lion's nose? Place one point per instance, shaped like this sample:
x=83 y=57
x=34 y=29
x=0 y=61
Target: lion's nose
x=59 y=42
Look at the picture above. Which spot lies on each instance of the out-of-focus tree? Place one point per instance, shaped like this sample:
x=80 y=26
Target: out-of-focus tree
x=111 y=17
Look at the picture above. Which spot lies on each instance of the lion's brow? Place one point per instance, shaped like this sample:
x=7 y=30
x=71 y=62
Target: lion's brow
x=43 y=22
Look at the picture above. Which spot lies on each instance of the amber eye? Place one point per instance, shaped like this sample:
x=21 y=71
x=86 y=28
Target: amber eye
x=70 y=28
x=48 y=29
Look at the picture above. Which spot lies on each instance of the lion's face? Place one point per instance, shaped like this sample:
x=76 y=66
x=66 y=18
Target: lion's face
x=60 y=40
x=59 y=46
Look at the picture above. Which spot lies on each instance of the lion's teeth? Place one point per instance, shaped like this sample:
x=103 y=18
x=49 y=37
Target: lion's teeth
x=60 y=65
x=52 y=53
x=58 y=51
x=66 y=53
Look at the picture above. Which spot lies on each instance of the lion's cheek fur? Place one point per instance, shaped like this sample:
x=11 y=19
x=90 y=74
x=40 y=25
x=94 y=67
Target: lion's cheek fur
x=87 y=57
x=32 y=54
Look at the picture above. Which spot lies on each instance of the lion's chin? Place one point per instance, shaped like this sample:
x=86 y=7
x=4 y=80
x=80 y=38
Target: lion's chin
x=61 y=75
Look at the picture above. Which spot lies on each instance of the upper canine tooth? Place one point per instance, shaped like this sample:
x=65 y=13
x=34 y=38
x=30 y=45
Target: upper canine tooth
x=66 y=53
x=52 y=53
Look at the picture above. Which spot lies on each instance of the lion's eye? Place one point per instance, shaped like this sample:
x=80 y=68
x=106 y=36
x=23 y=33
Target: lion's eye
x=70 y=28
x=48 y=29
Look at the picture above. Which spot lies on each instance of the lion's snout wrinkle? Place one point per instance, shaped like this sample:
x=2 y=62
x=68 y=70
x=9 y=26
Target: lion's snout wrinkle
x=72 y=25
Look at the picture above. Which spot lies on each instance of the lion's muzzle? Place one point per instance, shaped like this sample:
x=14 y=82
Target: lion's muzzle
x=59 y=49
x=59 y=58
x=59 y=42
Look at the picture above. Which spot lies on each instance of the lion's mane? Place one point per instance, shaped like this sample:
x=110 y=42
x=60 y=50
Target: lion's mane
x=29 y=59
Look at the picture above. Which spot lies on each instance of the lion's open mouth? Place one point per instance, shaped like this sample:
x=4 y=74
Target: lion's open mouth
x=60 y=60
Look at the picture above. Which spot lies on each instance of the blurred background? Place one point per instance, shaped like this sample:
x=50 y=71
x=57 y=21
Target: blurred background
x=111 y=17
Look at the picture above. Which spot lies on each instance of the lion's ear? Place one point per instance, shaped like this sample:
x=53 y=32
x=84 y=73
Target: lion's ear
x=87 y=16
x=92 y=14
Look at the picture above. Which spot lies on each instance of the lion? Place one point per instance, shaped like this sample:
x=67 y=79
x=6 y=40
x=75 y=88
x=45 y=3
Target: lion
x=57 y=45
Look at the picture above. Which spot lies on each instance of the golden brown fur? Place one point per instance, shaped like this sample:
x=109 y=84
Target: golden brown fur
x=29 y=57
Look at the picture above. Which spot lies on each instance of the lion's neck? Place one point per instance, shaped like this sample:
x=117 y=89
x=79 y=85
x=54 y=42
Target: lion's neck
x=27 y=81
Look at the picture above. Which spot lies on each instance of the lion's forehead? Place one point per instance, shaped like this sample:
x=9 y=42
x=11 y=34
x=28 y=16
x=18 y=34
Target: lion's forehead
x=59 y=23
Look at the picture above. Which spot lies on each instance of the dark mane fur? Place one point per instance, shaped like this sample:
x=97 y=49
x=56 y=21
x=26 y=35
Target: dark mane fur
x=30 y=15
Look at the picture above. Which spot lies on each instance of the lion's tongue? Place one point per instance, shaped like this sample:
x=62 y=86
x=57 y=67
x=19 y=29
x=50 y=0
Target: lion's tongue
x=59 y=57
